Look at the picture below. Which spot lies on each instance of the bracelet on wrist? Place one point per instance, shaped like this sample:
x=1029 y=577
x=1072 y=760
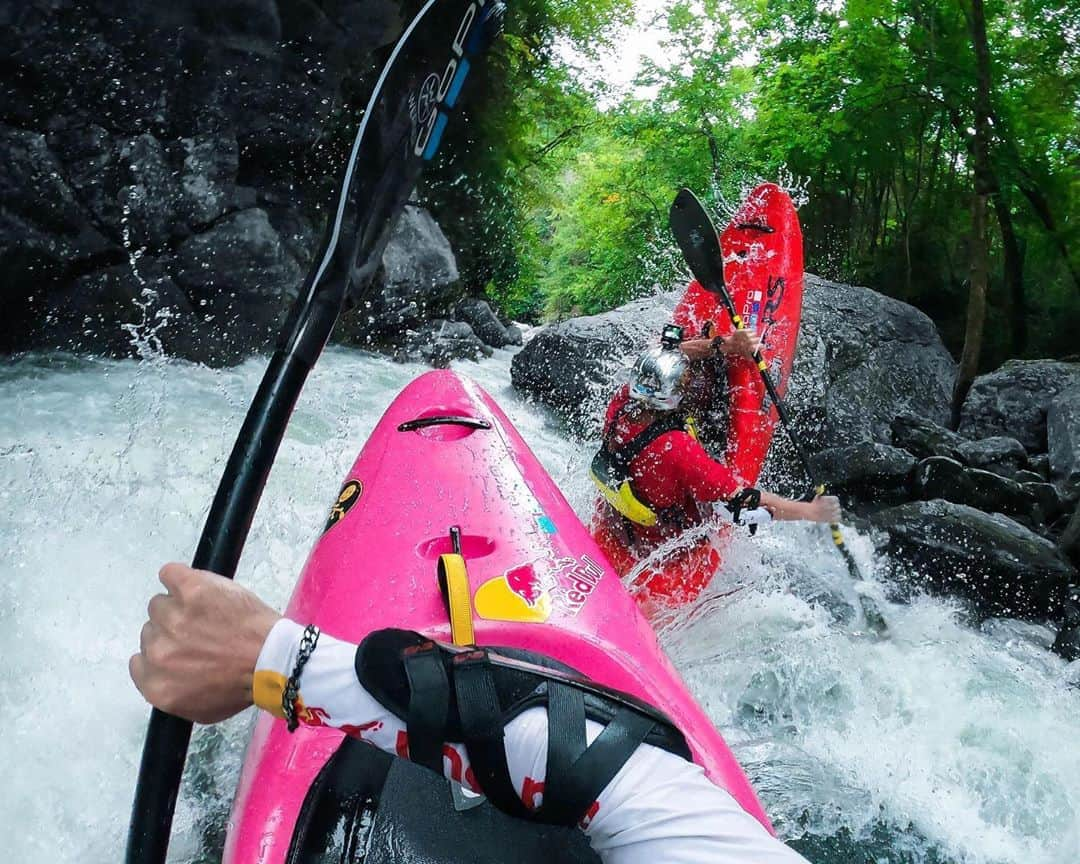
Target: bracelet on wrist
x=291 y=693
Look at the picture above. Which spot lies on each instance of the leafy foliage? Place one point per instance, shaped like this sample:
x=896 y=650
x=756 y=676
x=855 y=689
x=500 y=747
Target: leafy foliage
x=870 y=103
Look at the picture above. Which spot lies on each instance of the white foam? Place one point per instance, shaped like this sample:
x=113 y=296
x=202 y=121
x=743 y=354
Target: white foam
x=107 y=470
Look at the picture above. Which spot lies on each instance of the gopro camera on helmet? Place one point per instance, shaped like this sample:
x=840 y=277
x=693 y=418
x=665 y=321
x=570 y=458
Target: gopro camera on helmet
x=671 y=336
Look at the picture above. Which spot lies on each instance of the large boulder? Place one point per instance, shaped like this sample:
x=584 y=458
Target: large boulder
x=1014 y=400
x=1063 y=438
x=875 y=357
x=572 y=366
x=993 y=561
x=862 y=359
x=418 y=282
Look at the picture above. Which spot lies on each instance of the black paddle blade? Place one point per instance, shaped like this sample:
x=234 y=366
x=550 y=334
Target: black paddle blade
x=698 y=240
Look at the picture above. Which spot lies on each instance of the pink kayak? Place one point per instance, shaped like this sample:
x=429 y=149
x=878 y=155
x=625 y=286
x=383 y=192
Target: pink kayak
x=445 y=455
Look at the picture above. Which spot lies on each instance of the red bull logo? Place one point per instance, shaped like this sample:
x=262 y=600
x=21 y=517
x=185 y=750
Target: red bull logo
x=519 y=594
x=524 y=582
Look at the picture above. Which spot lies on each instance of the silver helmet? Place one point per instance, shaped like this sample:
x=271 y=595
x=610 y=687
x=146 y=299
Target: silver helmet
x=657 y=379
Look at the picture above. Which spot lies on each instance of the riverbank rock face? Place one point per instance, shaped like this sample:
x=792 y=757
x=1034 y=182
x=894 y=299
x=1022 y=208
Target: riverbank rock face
x=994 y=562
x=574 y=367
x=1014 y=400
x=167 y=167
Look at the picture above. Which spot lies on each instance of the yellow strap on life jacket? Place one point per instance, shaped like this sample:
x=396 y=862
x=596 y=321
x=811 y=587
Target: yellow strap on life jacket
x=454 y=581
x=623 y=498
x=626 y=502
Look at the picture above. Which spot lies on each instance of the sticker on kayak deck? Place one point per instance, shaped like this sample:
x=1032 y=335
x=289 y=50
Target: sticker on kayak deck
x=350 y=493
x=517 y=595
x=530 y=592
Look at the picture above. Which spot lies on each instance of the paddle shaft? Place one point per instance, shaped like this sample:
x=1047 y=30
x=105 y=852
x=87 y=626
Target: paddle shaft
x=222 y=541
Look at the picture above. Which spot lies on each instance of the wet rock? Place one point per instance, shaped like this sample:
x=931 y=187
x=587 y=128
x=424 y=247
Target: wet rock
x=1051 y=504
x=1063 y=433
x=999 y=454
x=479 y=315
x=874 y=358
x=208 y=178
x=862 y=358
x=41 y=221
x=1000 y=566
x=190 y=112
x=1026 y=476
x=1014 y=400
x=938 y=477
x=241 y=280
x=574 y=366
x=131 y=310
x=867 y=472
x=1070 y=538
x=514 y=335
x=148 y=193
x=923 y=438
x=439 y=342
x=89 y=157
x=1067 y=643
x=418 y=282
x=1040 y=464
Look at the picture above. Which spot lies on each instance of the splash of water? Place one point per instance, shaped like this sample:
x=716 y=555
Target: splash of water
x=942 y=743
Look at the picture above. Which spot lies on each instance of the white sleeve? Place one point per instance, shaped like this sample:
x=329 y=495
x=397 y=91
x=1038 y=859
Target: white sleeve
x=659 y=807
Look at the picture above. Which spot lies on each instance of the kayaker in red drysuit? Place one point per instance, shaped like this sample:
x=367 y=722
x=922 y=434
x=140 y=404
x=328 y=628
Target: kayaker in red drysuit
x=211 y=648
x=656 y=478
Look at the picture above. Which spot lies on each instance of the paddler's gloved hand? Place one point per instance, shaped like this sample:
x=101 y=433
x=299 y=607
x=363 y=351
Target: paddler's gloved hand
x=197 y=651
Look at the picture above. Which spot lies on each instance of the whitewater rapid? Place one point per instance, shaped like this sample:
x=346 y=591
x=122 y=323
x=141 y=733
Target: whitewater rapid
x=942 y=743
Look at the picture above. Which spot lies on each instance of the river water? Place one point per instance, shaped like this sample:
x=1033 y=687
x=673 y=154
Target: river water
x=941 y=743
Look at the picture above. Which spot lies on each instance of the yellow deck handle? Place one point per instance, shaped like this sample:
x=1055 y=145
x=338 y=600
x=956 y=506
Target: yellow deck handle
x=454 y=580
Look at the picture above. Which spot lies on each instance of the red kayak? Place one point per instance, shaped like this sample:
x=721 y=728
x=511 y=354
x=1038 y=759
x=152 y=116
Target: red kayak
x=763 y=270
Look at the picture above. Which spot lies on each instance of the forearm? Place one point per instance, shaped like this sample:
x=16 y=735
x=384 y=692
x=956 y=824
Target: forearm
x=787 y=509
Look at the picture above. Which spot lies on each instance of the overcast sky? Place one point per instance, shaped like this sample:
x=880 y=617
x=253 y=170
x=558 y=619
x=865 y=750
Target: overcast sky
x=618 y=67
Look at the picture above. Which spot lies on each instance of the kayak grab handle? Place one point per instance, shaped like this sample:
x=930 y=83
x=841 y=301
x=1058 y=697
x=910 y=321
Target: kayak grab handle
x=443 y=420
x=756 y=226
